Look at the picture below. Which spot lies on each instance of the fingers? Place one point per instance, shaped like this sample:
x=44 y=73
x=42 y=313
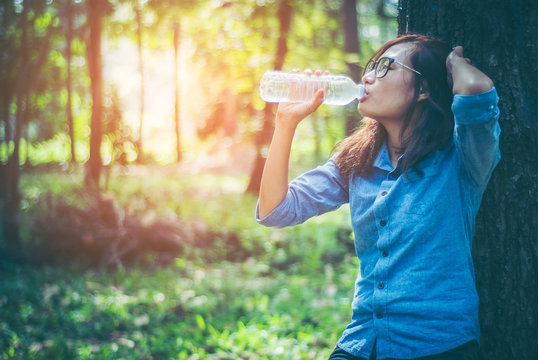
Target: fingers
x=311 y=93
x=458 y=50
x=319 y=96
x=309 y=72
x=317 y=72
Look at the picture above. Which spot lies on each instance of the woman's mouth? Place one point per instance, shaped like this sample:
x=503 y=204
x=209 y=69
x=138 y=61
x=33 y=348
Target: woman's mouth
x=364 y=96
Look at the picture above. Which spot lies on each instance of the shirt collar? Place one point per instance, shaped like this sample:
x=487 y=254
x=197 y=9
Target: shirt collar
x=427 y=166
x=382 y=161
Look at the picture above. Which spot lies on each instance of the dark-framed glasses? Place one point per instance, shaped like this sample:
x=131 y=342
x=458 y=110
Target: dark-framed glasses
x=382 y=66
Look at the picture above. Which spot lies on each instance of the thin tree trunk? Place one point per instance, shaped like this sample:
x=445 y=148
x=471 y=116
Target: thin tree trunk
x=6 y=95
x=10 y=224
x=176 y=91
x=68 y=55
x=6 y=78
x=352 y=49
x=141 y=72
x=95 y=18
x=263 y=138
x=499 y=36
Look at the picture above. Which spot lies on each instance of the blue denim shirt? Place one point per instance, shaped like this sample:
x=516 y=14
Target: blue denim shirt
x=415 y=293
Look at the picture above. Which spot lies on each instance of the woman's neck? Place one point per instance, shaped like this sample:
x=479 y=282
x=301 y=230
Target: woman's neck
x=394 y=143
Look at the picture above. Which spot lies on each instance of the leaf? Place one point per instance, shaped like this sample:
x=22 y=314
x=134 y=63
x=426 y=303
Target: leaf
x=200 y=322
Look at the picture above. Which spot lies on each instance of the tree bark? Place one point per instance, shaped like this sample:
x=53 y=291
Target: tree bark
x=352 y=49
x=500 y=38
x=6 y=76
x=263 y=138
x=68 y=55
x=95 y=19
x=10 y=223
x=7 y=82
x=31 y=53
x=141 y=71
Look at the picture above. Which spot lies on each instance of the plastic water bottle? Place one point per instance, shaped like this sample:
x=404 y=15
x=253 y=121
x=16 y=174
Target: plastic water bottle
x=279 y=86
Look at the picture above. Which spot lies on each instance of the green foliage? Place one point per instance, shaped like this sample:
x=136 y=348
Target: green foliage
x=227 y=45
x=222 y=311
x=278 y=302
x=225 y=311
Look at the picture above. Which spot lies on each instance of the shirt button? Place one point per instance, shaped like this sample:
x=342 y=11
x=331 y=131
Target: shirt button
x=383 y=193
x=382 y=223
x=385 y=253
x=378 y=315
x=381 y=286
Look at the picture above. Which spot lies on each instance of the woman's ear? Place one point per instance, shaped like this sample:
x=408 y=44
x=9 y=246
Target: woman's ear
x=423 y=92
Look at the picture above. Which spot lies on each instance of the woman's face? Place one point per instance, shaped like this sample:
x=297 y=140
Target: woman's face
x=389 y=98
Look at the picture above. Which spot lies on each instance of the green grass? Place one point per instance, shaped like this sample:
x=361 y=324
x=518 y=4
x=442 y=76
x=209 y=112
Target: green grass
x=222 y=311
x=283 y=303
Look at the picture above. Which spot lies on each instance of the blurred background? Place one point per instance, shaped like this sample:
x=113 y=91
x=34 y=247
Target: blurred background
x=132 y=140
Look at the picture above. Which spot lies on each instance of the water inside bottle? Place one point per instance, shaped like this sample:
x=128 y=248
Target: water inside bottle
x=277 y=86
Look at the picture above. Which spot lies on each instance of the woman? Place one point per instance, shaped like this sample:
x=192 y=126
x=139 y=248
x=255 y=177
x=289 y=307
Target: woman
x=413 y=175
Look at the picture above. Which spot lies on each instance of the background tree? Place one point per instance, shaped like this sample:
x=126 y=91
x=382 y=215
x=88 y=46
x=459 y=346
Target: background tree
x=285 y=13
x=500 y=38
x=96 y=12
x=139 y=25
x=69 y=29
x=28 y=36
x=227 y=46
x=352 y=50
x=318 y=42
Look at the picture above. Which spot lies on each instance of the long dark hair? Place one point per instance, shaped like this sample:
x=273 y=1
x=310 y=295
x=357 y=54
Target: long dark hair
x=431 y=119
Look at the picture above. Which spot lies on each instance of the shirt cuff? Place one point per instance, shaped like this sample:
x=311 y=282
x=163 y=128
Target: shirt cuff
x=277 y=217
x=475 y=109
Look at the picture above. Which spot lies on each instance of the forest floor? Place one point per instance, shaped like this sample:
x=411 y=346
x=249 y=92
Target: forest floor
x=231 y=290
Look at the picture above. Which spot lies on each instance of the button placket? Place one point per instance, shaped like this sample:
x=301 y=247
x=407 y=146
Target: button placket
x=380 y=271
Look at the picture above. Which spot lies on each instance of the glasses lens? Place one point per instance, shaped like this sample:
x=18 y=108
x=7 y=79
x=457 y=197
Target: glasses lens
x=382 y=68
x=369 y=67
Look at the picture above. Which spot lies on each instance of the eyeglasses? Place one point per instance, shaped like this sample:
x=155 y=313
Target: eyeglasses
x=382 y=66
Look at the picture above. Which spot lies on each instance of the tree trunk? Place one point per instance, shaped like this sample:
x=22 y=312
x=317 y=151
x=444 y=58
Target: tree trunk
x=263 y=138
x=141 y=71
x=25 y=79
x=10 y=221
x=176 y=91
x=500 y=38
x=68 y=55
x=352 y=50
x=6 y=95
x=6 y=76
x=95 y=19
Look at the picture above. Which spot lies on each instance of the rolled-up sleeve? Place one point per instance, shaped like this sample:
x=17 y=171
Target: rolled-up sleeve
x=315 y=192
x=477 y=134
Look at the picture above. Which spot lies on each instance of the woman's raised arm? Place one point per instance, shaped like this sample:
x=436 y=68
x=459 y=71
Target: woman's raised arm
x=274 y=183
x=466 y=79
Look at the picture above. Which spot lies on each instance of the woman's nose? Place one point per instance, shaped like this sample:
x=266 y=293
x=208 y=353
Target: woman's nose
x=368 y=77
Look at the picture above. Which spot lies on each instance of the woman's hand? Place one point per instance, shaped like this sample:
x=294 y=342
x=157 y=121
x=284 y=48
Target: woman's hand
x=464 y=78
x=291 y=114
